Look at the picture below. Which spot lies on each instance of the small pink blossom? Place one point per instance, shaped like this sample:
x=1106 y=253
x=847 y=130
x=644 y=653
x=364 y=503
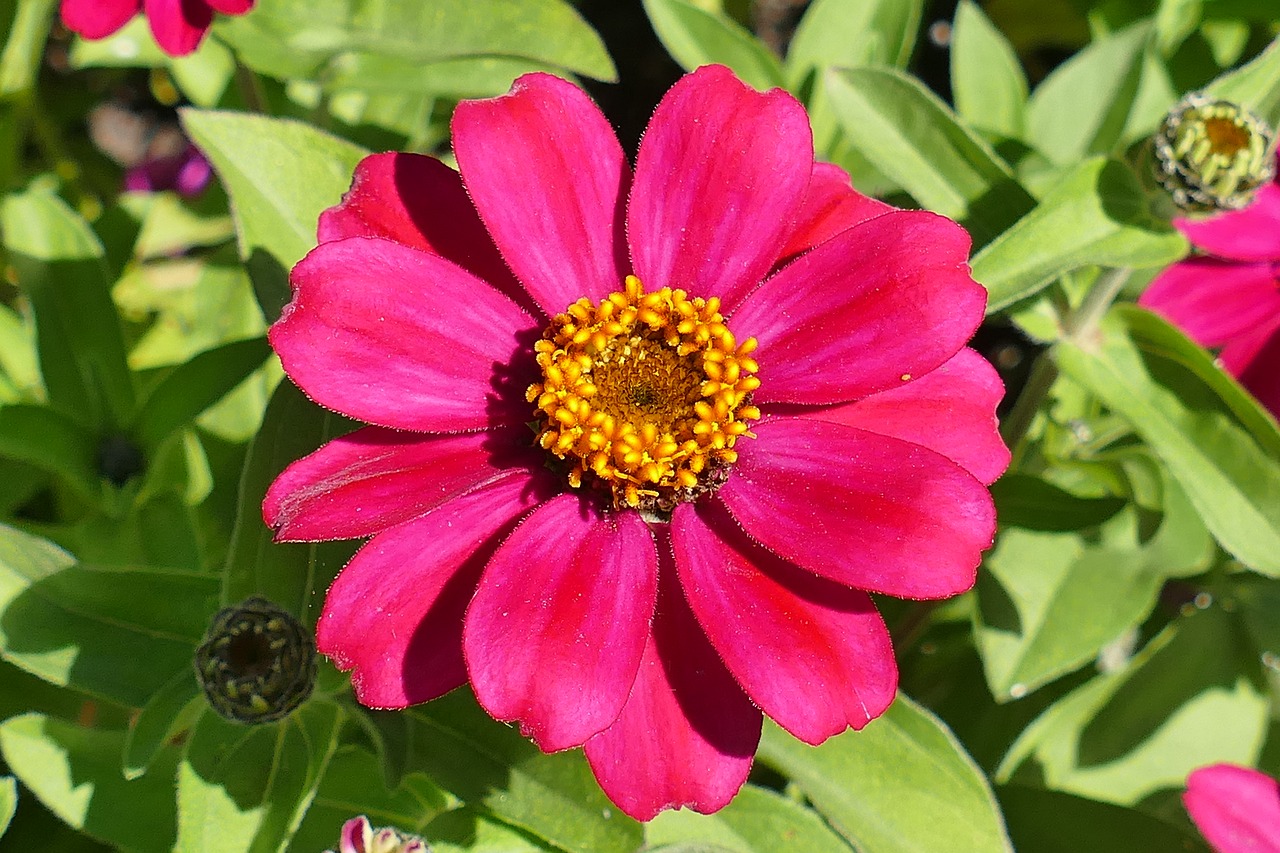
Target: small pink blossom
x=1236 y=809
x=1229 y=298
x=187 y=173
x=752 y=404
x=178 y=25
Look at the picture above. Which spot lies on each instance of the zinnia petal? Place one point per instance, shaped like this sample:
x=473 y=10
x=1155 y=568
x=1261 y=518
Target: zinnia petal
x=687 y=735
x=1215 y=301
x=355 y=341
x=1251 y=234
x=555 y=633
x=395 y=613
x=951 y=410
x=95 y=19
x=1261 y=375
x=375 y=478
x=877 y=304
x=178 y=25
x=830 y=206
x=865 y=510
x=231 y=7
x=1237 y=809
x=419 y=201
x=549 y=179
x=720 y=178
x=814 y=655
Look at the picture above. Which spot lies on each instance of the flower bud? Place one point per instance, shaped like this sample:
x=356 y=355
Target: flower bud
x=257 y=662
x=359 y=837
x=1212 y=154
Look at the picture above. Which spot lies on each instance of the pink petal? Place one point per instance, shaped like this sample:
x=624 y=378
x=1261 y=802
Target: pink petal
x=356 y=835
x=1241 y=352
x=1215 y=301
x=864 y=510
x=96 y=19
x=1262 y=374
x=879 y=303
x=402 y=338
x=1252 y=234
x=178 y=25
x=1235 y=808
x=812 y=654
x=419 y=201
x=720 y=177
x=549 y=178
x=557 y=628
x=687 y=735
x=951 y=410
x=231 y=7
x=830 y=206
x=395 y=613
x=375 y=478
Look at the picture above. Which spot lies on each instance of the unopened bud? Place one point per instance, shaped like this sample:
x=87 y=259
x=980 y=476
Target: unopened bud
x=1212 y=154
x=359 y=837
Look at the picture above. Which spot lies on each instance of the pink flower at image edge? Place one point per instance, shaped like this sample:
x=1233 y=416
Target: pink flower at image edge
x=1230 y=297
x=687 y=584
x=178 y=25
x=1236 y=809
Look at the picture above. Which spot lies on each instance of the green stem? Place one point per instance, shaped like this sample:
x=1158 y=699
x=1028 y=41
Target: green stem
x=251 y=90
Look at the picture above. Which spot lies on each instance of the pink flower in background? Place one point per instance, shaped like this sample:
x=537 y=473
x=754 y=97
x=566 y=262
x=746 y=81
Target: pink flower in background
x=1231 y=297
x=186 y=173
x=1235 y=808
x=750 y=400
x=178 y=25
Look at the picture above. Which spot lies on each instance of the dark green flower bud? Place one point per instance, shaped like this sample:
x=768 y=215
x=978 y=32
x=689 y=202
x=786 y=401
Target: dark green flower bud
x=257 y=662
x=1212 y=154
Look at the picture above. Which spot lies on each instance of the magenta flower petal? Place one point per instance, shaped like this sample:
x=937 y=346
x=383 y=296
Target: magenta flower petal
x=178 y=25
x=876 y=305
x=1251 y=234
x=720 y=177
x=1236 y=809
x=394 y=614
x=1261 y=375
x=353 y=341
x=830 y=206
x=549 y=179
x=386 y=477
x=865 y=510
x=951 y=410
x=231 y=7
x=687 y=735
x=95 y=19
x=814 y=655
x=559 y=654
x=1214 y=301
x=419 y=201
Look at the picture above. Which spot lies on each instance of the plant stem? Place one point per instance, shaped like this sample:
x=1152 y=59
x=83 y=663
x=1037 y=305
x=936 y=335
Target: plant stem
x=251 y=90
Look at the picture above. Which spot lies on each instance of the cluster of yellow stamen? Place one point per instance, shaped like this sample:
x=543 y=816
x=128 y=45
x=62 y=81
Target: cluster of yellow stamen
x=645 y=393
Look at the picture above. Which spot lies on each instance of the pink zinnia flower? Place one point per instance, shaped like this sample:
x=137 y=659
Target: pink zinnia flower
x=1231 y=297
x=1235 y=808
x=178 y=25
x=750 y=402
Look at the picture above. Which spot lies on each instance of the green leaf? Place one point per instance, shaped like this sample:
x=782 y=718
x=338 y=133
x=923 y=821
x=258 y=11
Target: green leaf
x=59 y=262
x=987 y=83
x=469 y=830
x=20 y=60
x=696 y=36
x=116 y=633
x=164 y=715
x=75 y=773
x=851 y=33
x=1233 y=482
x=1083 y=106
x=195 y=386
x=8 y=801
x=554 y=797
x=464 y=77
x=18 y=364
x=757 y=820
x=247 y=788
x=914 y=138
x=1097 y=215
x=281 y=175
x=53 y=442
x=1034 y=504
x=1054 y=822
x=1255 y=85
x=902 y=784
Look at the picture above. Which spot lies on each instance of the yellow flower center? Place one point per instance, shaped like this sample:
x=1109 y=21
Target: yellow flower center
x=644 y=394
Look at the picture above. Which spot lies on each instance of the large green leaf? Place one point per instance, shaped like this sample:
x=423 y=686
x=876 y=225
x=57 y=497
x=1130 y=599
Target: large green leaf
x=483 y=762
x=756 y=821
x=247 y=788
x=903 y=784
x=75 y=773
x=987 y=83
x=850 y=33
x=116 y=633
x=1053 y=822
x=60 y=267
x=1255 y=85
x=1230 y=472
x=695 y=36
x=281 y=175
x=160 y=720
x=53 y=442
x=8 y=801
x=1097 y=215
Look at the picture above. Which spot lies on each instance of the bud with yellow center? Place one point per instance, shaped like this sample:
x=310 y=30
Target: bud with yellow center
x=1212 y=154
